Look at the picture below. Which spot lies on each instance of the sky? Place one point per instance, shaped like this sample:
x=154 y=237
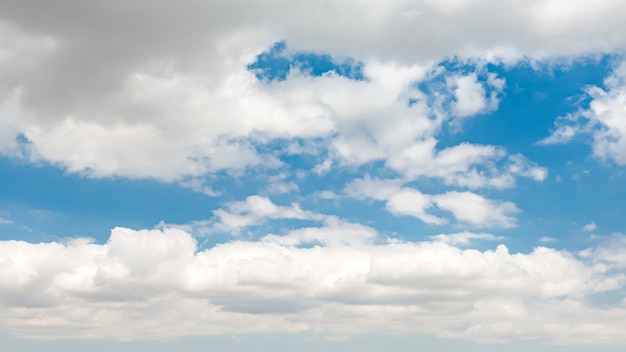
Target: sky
x=358 y=175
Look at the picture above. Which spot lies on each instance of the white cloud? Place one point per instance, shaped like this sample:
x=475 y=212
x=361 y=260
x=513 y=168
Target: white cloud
x=476 y=210
x=608 y=108
x=377 y=189
x=255 y=210
x=173 y=110
x=464 y=238
x=604 y=120
x=413 y=203
x=611 y=251
x=520 y=166
x=199 y=186
x=470 y=95
x=282 y=187
x=277 y=184
x=467 y=207
x=326 y=194
x=336 y=232
x=157 y=284
x=323 y=167
x=466 y=165
x=546 y=239
x=590 y=226
x=563 y=133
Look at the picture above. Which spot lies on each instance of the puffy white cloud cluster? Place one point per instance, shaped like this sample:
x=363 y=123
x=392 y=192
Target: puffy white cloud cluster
x=166 y=94
x=255 y=210
x=604 y=120
x=467 y=207
x=338 y=279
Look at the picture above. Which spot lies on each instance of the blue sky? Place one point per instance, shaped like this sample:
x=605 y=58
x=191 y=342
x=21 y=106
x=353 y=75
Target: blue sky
x=248 y=177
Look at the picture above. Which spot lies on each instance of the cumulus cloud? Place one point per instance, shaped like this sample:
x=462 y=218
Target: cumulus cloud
x=476 y=210
x=413 y=203
x=255 y=210
x=604 y=120
x=470 y=96
x=467 y=165
x=610 y=251
x=466 y=207
x=175 y=110
x=339 y=278
x=590 y=226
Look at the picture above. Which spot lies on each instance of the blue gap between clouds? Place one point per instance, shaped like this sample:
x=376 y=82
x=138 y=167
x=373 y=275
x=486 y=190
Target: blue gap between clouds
x=53 y=204
x=588 y=189
x=275 y=64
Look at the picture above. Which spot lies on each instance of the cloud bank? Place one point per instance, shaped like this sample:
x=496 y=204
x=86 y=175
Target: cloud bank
x=158 y=284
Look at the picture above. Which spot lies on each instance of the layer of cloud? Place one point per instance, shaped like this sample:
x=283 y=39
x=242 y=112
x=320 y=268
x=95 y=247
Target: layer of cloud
x=137 y=101
x=337 y=279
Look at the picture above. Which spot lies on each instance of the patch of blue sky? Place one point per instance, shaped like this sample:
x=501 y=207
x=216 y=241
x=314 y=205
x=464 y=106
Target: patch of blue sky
x=54 y=204
x=276 y=63
x=534 y=98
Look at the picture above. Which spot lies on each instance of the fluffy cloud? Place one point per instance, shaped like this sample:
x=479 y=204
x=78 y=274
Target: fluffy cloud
x=604 y=120
x=590 y=227
x=137 y=101
x=466 y=165
x=255 y=210
x=470 y=97
x=610 y=252
x=467 y=207
x=476 y=210
x=340 y=278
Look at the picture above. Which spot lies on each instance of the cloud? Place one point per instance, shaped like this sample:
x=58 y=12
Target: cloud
x=476 y=210
x=608 y=109
x=590 y=226
x=470 y=96
x=253 y=211
x=611 y=251
x=466 y=165
x=374 y=188
x=464 y=238
x=256 y=210
x=158 y=284
x=161 y=108
x=278 y=184
x=166 y=93
x=467 y=207
x=327 y=194
x=603 y=120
